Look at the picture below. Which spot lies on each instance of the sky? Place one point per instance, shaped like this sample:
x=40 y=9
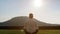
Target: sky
x=44 y=10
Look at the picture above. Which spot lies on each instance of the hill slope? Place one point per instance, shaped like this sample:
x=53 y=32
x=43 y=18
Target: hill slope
x=19 y=21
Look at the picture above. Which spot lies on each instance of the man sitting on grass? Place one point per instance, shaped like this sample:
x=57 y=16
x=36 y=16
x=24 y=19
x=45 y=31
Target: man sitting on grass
x=31 y=26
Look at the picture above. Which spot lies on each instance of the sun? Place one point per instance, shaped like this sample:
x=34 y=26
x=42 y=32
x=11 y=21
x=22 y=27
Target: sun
x=37 y=3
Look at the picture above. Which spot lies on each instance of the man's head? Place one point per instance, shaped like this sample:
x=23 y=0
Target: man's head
x=30 y=15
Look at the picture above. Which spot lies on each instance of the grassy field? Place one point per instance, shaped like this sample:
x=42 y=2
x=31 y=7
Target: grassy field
x=22 y=32
x=48 y=32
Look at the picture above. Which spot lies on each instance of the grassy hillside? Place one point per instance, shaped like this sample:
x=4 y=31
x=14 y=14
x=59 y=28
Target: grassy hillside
x=22 y=32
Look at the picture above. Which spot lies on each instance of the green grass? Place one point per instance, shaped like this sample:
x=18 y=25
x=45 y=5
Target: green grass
x=22 y=32
x=48 y=32
x=11 y=32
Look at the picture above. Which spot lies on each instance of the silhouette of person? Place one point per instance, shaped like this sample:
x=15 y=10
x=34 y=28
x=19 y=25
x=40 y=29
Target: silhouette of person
x=30 y=27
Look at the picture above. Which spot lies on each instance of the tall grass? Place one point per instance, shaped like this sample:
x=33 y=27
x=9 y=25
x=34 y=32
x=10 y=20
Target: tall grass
x=22 y=32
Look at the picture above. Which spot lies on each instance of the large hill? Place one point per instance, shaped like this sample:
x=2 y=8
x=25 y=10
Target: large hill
x=19 y=21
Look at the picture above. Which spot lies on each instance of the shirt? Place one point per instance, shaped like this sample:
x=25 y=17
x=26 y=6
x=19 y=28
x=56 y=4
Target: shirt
x=31 y=26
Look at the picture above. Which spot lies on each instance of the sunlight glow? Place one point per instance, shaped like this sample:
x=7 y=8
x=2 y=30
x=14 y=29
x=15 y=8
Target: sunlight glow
x=37 y=3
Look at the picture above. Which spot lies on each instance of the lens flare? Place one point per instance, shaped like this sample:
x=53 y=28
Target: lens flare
x=37 y=3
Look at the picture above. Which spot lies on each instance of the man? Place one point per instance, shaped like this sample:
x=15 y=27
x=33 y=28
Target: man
x=31 y=26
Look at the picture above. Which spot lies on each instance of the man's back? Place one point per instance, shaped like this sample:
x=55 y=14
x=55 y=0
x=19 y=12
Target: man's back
x=31 y=26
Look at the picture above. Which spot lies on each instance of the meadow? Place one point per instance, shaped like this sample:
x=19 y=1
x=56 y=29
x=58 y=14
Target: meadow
x=22 y=31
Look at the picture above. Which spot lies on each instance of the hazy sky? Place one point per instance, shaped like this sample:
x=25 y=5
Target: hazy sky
x=46 y=10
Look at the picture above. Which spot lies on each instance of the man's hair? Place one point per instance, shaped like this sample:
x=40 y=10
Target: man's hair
x=30 y=15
